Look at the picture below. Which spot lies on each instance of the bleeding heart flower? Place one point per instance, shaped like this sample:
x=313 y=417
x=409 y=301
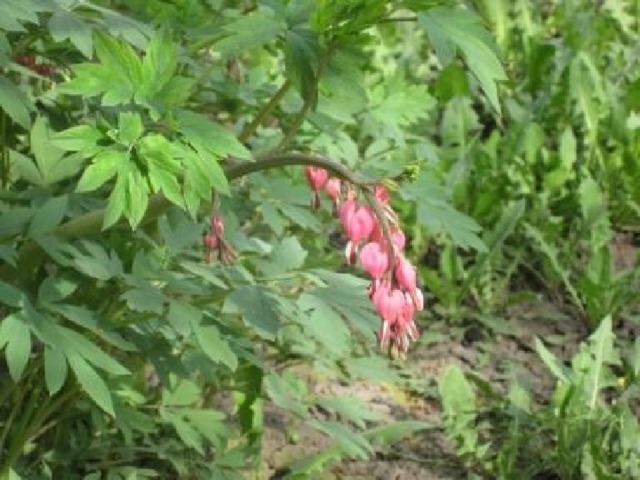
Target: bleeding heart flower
x=382 y=194
x=316 y=177
x=333 y=187
x=359 y=223
x=390 y=304
x=405 y=274
x=346 y=211
x=398 y=239
x=374 y=260
x=217 y=225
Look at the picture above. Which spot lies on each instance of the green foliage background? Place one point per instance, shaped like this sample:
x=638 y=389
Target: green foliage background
x=507 y=133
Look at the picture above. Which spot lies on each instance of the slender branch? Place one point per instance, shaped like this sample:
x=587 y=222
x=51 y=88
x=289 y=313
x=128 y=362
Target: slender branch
x=278 y=160
x=308 y=102
x=31 y=254
x=250 y=129
x=384 y=223
x=398 y=19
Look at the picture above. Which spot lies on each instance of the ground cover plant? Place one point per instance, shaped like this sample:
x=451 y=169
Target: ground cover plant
x=216 y=212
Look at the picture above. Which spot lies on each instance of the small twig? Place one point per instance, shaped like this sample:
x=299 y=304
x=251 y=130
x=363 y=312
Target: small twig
x=31 y=255
x=398 y=19
x=308 y=102
x=384 y=223
x=250 y=128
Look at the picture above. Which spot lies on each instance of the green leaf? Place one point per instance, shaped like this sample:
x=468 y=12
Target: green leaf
x=451 y=28
x=323 y=323
x=603 y=354
x=137 y=198
x=353 y=444
x=77 y=138
x=91 y=321
x=551 y=253
x=258 y=308
x=148 y=299
x=120 y=58
x=64 y=24
x=117 y=201
x=202 y=132
x=14 y=103
x=459 y=408
x=18 y=349
x=130 y=127
x=49 y=215
x=55 y=369
x=15 y=13
x=372 y=368
x=164 y=181
x=25 y=168
x=104 y=167
x=78 y=344
x=389 y=434
x=97 y=263
x=53 y=289
x=92 y=383
x=350 y=409
x=94 y=79
x=287 y=255
x=213 y=171
x=183 y=317
x=437 y=214
x=249 y=31
x=215 y=347
x=51 y=164
x=159 y=63
x=553 y=364
x=301 y=53
x=8 y=254
x=118 y=75
x=287 y=392
x=181 y=393
x=188 y=435
x=209 y=273
x=11 y=296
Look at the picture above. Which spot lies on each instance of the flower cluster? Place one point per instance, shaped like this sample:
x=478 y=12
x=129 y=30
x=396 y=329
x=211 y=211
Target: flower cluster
x=379 y=244
x=214 y=241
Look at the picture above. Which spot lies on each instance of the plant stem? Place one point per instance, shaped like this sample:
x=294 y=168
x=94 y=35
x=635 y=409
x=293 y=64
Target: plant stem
x=27 y=432
x=308 y=102
x=31 y=255
x=250 y=129
x=384 y=223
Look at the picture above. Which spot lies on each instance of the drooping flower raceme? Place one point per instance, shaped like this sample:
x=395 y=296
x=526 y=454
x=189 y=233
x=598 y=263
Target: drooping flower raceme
x=393 y=290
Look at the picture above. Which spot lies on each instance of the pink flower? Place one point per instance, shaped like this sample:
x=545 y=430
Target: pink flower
x=316 y=177
x=210 y=241
x=217 y=225
x=333 y=187
x=390 y=304
x=374 y=260
x=398 y=239
x=382 y=194
x=405 y=274
x=358 y=223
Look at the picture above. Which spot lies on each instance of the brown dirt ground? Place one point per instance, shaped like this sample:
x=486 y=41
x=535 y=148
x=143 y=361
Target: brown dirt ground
x=428 y=455
x=500 y=352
